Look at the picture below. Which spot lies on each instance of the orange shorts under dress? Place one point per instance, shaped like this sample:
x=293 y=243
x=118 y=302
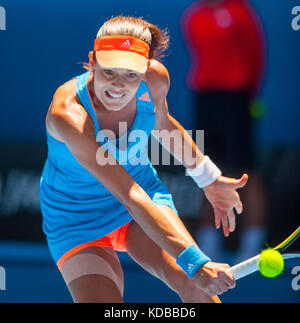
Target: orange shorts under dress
x=115 y=240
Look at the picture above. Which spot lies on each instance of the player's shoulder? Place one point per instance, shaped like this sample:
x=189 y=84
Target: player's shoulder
x=65 y=99
x=158 y=79
x=65 y=95
x=65 y=108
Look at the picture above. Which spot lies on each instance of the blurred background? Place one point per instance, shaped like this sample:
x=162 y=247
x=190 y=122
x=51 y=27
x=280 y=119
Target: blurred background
x=42 y=45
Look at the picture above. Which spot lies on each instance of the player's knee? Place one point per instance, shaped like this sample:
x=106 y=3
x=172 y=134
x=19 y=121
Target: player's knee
x=90 y=275
x=95 y=289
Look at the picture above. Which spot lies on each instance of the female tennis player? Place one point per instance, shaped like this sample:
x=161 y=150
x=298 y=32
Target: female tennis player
x=97 y=198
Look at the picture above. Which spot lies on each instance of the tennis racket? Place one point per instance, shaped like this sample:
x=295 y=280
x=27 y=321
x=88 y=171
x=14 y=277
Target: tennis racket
x=250 y=266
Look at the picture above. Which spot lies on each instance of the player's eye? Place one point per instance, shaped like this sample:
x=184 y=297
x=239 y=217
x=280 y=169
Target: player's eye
x=131 y=75
x=108 y=72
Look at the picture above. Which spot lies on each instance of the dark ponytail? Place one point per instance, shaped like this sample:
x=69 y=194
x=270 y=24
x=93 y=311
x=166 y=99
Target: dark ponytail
x=160 y=42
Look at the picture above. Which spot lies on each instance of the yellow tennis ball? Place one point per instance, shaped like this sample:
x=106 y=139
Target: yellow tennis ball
x=270 y=263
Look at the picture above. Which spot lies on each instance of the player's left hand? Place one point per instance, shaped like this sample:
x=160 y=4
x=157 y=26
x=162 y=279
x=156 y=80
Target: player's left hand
x=224 y=199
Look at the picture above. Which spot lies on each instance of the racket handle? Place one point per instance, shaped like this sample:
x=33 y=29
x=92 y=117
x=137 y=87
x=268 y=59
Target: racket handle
x=245 y=268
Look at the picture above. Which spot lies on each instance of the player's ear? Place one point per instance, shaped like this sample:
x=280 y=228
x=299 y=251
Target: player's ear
x=144 y=76
x=91 y=58
x=144 y=79
x=91 y=61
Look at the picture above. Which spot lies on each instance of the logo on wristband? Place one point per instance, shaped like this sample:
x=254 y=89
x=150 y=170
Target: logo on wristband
x=191 y=259
x=190 y=268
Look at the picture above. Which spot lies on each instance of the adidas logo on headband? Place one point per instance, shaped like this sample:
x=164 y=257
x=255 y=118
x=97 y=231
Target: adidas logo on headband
x=126 y=44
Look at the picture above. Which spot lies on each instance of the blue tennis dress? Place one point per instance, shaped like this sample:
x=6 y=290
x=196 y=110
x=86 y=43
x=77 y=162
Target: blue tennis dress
x=76 y=207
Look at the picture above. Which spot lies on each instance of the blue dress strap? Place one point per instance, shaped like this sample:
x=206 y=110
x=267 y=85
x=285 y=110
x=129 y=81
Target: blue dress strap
x=83 y=95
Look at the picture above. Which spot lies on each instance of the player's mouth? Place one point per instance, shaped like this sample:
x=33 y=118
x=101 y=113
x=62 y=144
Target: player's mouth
x=113 y=95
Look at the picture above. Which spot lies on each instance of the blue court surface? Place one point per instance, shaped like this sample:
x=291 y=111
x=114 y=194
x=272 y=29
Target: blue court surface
x=31 y=277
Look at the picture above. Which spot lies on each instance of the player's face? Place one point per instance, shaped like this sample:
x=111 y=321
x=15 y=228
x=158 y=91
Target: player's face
x=115 y=87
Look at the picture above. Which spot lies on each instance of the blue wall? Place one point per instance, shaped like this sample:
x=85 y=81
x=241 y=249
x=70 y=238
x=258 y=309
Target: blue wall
x=281 y=90
x=45 y=41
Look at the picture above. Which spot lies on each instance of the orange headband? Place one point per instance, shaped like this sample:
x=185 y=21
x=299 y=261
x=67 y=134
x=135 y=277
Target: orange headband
x=125 y=43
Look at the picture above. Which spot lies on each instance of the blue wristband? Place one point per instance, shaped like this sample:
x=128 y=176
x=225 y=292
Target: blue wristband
x=191 y=259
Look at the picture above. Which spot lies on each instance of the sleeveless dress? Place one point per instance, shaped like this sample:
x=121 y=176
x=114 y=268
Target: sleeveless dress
x=76 y=207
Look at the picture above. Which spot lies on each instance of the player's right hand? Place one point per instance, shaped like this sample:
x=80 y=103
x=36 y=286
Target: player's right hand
x=214 y=278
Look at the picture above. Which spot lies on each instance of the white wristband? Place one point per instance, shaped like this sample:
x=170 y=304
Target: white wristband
x=205 y=173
